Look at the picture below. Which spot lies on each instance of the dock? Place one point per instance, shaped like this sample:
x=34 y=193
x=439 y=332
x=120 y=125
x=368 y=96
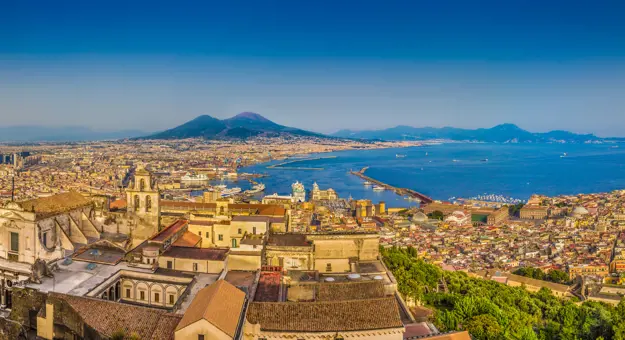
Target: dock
x=283 y=167
x=400 y=191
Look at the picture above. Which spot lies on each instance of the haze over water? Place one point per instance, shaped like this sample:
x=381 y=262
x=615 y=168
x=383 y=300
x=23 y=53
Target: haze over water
x=515 y=170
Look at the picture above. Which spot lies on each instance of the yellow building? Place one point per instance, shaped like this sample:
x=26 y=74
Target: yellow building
x=323 y=195
x=195 y=260
x=534 y=212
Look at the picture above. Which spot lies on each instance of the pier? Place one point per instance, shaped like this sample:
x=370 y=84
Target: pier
x=400 y=191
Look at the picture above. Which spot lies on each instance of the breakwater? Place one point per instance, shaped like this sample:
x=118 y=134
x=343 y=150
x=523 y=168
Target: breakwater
x=400 y=191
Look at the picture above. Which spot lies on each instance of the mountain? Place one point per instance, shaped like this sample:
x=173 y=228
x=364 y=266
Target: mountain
x=33 y=133
x=243 y=125
x=499 y=134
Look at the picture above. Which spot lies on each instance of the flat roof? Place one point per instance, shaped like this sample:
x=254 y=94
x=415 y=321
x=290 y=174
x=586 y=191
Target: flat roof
x=210 y=254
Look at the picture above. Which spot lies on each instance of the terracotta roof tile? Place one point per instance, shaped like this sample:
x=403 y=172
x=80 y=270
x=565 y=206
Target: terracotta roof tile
x=188 y=239
x=56 y=203
x=220 y=304
x=330 y=316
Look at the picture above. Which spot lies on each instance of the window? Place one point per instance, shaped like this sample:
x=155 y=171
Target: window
x=170 y=265
x=45 y=239
x=240 y=231
x=234 y=243
x=142 y=294
x=199 y=233
x=156 y=297
x=329 y=267
x=195 y=267
x=200 y=337
x=221 y=237
x=15 y=242
x=254 y=230
x=207 y=235
x=171 y=299
x=128 y=292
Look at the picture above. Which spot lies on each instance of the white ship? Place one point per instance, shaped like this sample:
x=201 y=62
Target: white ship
x=260 y=187
x=378 y=188
x=366 y=183
x=220 y=186
x=230 y=192
x=194 y=178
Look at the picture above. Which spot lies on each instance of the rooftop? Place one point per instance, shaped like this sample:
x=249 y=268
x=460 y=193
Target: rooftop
x=55 y=204
x=211 y=254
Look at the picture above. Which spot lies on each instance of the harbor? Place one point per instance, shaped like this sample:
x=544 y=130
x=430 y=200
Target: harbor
x=400 y=191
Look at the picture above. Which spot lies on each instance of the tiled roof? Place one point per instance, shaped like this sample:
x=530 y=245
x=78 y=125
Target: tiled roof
x=108 y=317
x=331 y=316
x=350 y=291
x=220 y=304
x=55 y=204
x=169 y=231
x=188 y=239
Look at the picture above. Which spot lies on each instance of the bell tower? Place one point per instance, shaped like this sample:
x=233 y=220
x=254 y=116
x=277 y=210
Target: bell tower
x=142 y=196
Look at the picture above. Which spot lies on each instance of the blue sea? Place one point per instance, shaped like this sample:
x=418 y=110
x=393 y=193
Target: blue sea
x=512 y=170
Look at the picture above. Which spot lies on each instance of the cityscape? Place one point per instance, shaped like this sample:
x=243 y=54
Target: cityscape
x=273 y=170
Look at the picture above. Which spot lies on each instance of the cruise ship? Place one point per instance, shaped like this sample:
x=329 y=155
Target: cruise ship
x=194 y=178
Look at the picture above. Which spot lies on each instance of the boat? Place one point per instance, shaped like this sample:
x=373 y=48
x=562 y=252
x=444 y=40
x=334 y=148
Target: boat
x=194 y=178
x=367 y=183
x=455 y=160
x=397 y=155
x=563 y=155
x=426 y=153
x=220 y=186
x=260 y=187
x=485 y=160
x=230 y=192
x=378 y=188
x=614 y=147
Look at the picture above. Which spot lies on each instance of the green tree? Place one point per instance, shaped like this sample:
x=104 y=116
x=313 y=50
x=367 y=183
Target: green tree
x=437 y=215
x=484 y=326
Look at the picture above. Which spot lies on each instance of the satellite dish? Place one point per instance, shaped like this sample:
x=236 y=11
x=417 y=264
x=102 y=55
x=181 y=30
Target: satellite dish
x=329 y=279
x=353 y=276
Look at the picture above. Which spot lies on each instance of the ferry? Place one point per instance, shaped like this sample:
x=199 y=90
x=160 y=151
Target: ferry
x=378 y=188
x=230 y=192
x=194 y=178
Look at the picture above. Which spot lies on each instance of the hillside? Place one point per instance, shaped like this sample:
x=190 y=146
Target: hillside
x=500 y=134
x=241 y=126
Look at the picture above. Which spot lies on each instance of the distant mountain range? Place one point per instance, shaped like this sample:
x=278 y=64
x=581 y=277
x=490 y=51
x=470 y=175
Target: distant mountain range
x=32 y=133
x=243 y=125
x=499 y=134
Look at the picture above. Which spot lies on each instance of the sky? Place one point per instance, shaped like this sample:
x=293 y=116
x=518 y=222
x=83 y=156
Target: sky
x=317 y=65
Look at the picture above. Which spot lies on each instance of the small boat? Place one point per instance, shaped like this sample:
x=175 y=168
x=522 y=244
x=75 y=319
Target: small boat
x=563 y=155
x=399 y=155
x=366 y=183
x=455 y=160
x=614 y=147
x=378 y=188
x=485 y=160
x=426 y=153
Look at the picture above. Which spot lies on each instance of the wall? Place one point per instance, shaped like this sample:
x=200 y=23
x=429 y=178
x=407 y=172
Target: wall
x=204 y=327
x=186 y=265
x=244 y=262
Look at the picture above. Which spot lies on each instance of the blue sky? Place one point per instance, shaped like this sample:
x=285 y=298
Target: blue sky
x=323 y=65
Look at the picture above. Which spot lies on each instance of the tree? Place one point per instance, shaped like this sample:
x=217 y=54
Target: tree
x=484 y=326
x=437 y=215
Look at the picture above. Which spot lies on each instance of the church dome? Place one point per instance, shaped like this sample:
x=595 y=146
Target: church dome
x=580 y=211
x=419 y=217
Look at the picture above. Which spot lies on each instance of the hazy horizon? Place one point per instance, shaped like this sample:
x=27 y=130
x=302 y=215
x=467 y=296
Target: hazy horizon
x=324 y=67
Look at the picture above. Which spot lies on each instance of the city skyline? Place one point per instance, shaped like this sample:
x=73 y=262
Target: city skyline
x=323 y=68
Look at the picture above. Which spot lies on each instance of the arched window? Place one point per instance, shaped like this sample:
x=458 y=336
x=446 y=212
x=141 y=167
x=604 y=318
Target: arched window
x=136 y=205
x=221 y=210
x=142 y=184
x=148 y=203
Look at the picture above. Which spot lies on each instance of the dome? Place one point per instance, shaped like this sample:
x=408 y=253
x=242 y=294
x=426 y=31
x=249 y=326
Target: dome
x=419 y=217
x=580 y=211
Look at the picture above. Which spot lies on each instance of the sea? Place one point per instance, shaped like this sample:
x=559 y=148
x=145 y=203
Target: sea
x=456 y=170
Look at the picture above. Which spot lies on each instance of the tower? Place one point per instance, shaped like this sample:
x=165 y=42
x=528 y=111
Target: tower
x=299 y=192
x=142 y=195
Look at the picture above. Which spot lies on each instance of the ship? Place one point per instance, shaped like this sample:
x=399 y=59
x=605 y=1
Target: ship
x=397 y=155
x=378 y=188
x=260 y=187
x=366 y=183
x=230 y=192
x=194 y=178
